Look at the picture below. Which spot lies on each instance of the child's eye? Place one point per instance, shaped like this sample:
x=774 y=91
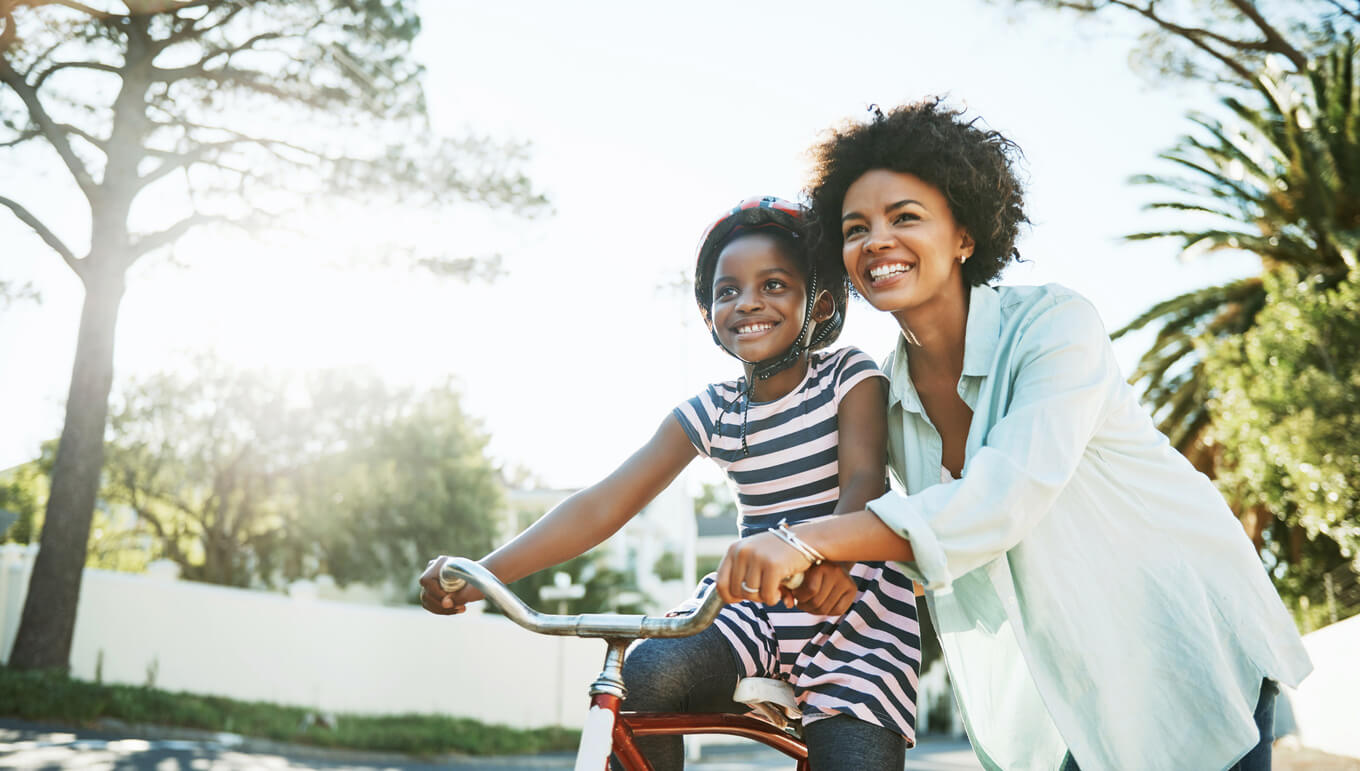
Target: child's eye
x=774 y=285
x=724 y=292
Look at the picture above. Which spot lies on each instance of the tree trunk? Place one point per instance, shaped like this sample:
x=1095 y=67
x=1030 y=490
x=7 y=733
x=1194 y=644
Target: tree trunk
x=49 y=617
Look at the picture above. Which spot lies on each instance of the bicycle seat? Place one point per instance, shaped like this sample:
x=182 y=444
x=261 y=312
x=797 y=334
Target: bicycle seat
x=772 y=699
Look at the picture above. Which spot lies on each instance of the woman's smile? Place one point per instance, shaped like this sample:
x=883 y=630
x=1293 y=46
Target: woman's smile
x=881 y=274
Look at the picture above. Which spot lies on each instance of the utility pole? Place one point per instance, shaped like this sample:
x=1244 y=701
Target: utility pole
x=562 y=590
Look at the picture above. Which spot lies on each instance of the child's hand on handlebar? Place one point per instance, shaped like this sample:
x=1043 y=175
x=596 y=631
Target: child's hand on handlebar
x=433 y=597
x=827 y=590
x=755 y=568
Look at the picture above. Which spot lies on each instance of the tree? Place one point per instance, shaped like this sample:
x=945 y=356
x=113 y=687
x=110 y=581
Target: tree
x=343 y=475
x=222 y=102
x=1225 y=41
x=407 y=488
x=22 y=491
x=1281 y=181
x=1287 y=397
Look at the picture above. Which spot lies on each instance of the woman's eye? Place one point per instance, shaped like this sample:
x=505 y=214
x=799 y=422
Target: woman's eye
x=854 y=230
x=905 y=216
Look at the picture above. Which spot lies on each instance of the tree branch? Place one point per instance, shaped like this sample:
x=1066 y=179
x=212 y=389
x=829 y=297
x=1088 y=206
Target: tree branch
x=42 y=77
x=153 y=241
x=24 y=136
x=45 y=233
x=1353 y=14
x=49 y=128
x=1189 y=34
x=1273 y=36
x=102 y=144
x=8 y=34
x=192 y=30
x=85 y=9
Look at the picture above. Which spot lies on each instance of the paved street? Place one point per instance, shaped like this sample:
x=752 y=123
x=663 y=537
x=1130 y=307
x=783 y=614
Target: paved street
x=31 y=746
x=34 y=747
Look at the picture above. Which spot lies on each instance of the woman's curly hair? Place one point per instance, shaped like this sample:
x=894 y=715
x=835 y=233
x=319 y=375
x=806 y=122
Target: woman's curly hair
x=971 y=166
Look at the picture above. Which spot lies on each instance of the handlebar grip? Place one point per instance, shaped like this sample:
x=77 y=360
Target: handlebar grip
x=794 y=581
x=449 y=580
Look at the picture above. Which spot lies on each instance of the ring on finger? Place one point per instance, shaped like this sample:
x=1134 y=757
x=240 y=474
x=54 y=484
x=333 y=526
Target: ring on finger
x=750 y=589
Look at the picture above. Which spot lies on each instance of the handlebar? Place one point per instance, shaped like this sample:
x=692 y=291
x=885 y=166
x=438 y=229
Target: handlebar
x=457 y=571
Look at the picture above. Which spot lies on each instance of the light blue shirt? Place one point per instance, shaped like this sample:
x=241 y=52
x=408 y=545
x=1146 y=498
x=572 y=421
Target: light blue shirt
x=1092 y=591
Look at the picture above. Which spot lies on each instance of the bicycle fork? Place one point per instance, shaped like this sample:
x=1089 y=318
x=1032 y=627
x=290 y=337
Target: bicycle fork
x=603 y=731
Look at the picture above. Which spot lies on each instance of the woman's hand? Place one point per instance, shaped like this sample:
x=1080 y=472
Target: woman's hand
x=755 y=567
x=434 y=599
x=827 y=590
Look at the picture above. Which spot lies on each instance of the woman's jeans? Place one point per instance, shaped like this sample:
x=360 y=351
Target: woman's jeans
x=1258 y=759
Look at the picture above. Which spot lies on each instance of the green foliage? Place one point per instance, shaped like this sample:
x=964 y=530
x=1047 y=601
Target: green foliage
x=52 y=696
x=1286 y=396
x=23 y=491
x=401 y=492
x=1281 y=180
x=248 y=477
x=607 y=590
x=668 y=567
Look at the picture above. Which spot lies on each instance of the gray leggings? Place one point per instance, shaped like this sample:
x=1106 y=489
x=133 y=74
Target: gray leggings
x=698 y=674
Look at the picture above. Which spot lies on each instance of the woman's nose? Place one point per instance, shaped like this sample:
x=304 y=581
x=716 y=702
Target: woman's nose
x=876 y=242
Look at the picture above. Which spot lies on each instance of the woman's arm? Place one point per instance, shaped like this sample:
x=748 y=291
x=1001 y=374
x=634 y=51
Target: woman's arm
x=1065 y=378
x=579 y=523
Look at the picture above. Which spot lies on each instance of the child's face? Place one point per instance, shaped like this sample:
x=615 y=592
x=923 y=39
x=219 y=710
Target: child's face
x=759 y=297
x=900 y=241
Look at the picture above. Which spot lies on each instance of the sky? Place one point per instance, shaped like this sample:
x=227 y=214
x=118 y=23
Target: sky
x=645 y=122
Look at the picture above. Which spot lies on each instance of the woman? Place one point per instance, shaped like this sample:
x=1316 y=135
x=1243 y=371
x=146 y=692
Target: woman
x=1097 y=603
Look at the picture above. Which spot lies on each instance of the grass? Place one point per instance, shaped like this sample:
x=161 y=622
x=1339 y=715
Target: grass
x=53 y=696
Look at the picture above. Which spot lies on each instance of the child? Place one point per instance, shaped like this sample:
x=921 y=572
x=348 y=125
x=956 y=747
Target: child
x=801 y=435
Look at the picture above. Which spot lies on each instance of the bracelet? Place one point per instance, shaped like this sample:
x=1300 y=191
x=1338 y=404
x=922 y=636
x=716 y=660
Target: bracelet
x=785 y=534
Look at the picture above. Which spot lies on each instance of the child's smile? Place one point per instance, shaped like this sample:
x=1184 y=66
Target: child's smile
x=750 y=328
x=759 y=297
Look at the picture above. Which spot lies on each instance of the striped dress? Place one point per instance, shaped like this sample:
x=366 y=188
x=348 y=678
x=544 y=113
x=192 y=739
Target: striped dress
x=864 y=663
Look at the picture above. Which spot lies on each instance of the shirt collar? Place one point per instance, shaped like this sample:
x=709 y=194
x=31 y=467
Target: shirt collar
x=982 y=334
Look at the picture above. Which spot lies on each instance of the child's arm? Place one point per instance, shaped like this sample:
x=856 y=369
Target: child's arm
x=862 y=423
x=579 y=523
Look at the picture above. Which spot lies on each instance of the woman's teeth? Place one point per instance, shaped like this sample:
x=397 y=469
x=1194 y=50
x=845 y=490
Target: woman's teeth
x=884 y=271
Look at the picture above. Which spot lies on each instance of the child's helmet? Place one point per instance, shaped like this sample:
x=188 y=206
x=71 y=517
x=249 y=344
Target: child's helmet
x=791 y=222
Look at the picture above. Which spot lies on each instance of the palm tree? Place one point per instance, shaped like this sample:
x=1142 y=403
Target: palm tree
x=1281 y=181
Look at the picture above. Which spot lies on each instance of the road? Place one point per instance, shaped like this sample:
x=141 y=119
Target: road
x=33 y=746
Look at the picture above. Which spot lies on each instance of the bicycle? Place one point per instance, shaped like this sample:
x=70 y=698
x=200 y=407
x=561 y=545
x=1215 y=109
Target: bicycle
x=608 y=730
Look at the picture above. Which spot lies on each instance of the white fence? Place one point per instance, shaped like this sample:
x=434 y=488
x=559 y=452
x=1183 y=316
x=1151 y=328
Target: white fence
x=1326 y=707
x=369 y=659
x=298 y=650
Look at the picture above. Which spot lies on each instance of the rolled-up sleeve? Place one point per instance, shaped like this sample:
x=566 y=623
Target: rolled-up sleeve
x=1062 y=374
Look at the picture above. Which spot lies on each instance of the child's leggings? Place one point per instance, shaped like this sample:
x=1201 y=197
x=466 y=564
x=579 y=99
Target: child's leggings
x=699 y=673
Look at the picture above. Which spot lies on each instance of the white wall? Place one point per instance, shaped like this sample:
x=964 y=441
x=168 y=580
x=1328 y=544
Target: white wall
x=1326 y=706
x=308 y=652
